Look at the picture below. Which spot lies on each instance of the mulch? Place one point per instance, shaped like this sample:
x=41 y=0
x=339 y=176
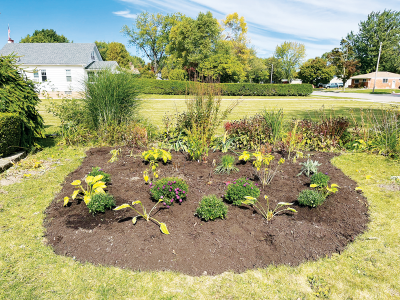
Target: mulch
x=242 y=241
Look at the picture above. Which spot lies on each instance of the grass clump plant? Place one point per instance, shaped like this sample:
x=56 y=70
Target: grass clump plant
x=239 y=189
x=211 y=208
x=100 y=202
x=170 y=190
x=227 y=165
x=310 y=198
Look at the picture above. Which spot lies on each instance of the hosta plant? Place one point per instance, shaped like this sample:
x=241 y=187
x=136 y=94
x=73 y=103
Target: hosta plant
x=94 y=186
x=224 y=144
x=153 y=156
x=170 y=190
x=309 y=167
x=239 y=189
x=210 y=208
x=144 y=214
x=227 y=165
x=267 y=212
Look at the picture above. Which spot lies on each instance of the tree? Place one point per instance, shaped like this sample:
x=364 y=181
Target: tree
x=341 y=59
x=258 y=72
x=274 y=66
x=379 y=27
x=18 y=95
x=103 y=48
x=150 y=34
x=44 y=36
x=315 y=71
x=137 y=61
x=117 y=52
x=291 y=55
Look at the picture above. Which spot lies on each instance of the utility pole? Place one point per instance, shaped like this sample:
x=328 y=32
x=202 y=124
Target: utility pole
x=377 y=66
x=272 y=71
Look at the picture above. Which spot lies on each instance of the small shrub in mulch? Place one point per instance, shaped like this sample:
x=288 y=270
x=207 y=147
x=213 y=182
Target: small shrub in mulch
x=239 y=189
x=211 y=208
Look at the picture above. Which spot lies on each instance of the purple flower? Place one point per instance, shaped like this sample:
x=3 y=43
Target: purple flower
x=164 y=203
x=162 y=197
x=174 y=181
x=326 y=173
x=244 y=185
x=170 y=190
x=180 y=200
x=177 y=197
x=172 y=200
x=183 y=192
x=167 y=206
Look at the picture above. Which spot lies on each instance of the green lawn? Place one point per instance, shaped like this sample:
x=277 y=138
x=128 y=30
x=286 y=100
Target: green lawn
x=367 y=269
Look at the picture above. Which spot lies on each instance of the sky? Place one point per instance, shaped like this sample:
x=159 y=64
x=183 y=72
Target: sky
x=319 y=24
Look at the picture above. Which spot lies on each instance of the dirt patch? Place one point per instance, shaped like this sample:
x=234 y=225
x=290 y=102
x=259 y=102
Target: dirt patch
x=242 y=241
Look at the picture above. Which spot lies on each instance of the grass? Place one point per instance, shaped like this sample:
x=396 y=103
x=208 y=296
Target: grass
x=367 y=269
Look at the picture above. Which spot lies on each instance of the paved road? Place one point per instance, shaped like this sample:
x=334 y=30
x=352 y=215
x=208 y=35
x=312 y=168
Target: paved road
x=385 y=98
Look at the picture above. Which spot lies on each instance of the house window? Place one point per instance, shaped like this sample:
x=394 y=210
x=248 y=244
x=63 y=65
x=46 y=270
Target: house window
x=44 y=75
x=36 y=76
x=69 y=77
x=364 y=80
x=385 y=80
x=68 y=92
x=356 y=81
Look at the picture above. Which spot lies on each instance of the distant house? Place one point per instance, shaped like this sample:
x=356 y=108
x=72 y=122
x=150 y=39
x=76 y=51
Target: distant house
x=384 y=80
x=58 y=68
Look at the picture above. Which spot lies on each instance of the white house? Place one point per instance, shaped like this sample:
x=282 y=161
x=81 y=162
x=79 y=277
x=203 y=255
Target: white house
x=60 y=68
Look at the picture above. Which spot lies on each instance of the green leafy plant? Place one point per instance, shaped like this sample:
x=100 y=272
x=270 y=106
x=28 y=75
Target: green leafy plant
x=210 y=208
x=320 y=179
x=94 y=186
x=144 y=214
x=114 y=155
x=152 y=156
x=320 y=182
x=170 y=190
x=310 y=198
x=227 y=165
x=224 y=144
x=197 y=144
x=239 y=189
x=309 y=167
x=100 y=202
x=245 y=156
x=98 y=171
x=268 y=213
x=274 y=120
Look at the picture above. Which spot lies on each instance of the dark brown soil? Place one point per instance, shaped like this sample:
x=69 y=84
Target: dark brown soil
x=244 y=240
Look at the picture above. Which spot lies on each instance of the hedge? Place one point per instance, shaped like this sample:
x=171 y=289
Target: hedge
x=172 y=87
x=10 y=133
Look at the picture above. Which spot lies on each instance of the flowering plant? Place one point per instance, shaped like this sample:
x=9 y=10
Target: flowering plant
x=238 y=189
x=170 y=190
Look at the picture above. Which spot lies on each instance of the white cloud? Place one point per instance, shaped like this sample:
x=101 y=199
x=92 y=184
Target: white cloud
x=319 y=24
x=126 y=14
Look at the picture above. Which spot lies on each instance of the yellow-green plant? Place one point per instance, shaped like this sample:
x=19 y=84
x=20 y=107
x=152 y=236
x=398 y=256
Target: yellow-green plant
x=144 y=214
x=152 y=156
x=94 y=186
x=115 y=153
x=268 y=213
x=245 y=156
x=224 y=144
x=325 y=190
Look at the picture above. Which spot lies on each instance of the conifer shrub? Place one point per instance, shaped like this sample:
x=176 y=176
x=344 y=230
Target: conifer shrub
x=320 y=179
x=211 y=208
x=239 y=189
x=100 y=202
x=310 y=198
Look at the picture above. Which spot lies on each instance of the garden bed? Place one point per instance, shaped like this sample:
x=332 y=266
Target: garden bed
x=244 y=240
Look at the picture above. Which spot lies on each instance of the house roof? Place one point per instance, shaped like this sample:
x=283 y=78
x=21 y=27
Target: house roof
x=379 y=75
x=97 y=65
x=52 y=53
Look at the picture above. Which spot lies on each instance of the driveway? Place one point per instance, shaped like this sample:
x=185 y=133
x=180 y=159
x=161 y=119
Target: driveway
x=379 y=98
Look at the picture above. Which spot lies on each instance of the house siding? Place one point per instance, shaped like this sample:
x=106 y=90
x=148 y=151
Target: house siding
x=379 y=83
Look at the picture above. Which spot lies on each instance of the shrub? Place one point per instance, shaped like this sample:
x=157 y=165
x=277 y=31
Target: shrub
x=10 y=133
x=310 y=198
x=170 y=189
x=227 y=165
x=18 y=96
x=110 y=98
x=320 y=179
x=210 y=208
x=98 y=171
x=239 y=189
x=100 y=202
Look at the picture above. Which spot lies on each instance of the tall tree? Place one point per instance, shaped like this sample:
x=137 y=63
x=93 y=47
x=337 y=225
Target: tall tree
x=258 y=71
x=150 y=34
x=44 y=36
x=291 y=55
x=117 y=52
x=341 y=59
x=379 y=27
x=103 y=48
x=315 y=71
x=274 y=67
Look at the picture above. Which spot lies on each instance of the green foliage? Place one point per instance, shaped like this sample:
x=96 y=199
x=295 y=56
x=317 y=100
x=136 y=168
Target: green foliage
x=310 y=198
x=263 y=170
x=101 y=202
x=110 y=98
x=177 y=74
x=268 y=213
x=379 y=27
x=117 y=52
x=315 y=71
x=156 y=154
x=144 y=214
x=291 y=55
x=309 y=167
x=211 y=208
x=224 y=144
x=320 y=179
x=44 y=36
x=18 y=96
x=239 y=189
x=274 y=66
x=274 y=121
x=98 y=171
x=10 y=133
x=170 y=190
x=94 y=186
x=227 y=165
x=319 y=287
x=171 y=87
x=102 y=46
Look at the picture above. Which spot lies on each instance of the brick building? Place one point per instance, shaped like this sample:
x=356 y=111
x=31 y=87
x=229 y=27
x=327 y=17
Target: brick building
x=384 y=80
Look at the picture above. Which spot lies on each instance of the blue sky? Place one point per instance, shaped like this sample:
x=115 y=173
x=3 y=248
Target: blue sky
x=319 y=24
